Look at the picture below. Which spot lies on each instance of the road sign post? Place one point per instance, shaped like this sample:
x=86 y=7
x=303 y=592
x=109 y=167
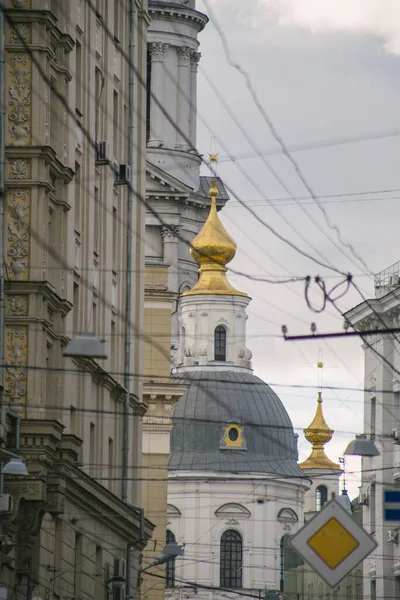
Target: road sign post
x=332 y=543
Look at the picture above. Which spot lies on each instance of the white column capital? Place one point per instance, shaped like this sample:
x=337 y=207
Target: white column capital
x=184 y=54
x=157 y=51
x=194 y=60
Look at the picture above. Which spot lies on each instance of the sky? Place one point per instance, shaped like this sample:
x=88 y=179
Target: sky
x=326 y=76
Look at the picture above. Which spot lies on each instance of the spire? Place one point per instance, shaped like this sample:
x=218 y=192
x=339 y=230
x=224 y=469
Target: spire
x=213 y=248
x=318 y=434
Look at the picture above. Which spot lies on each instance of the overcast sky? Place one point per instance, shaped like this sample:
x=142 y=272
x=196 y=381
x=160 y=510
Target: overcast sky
x=324 y=72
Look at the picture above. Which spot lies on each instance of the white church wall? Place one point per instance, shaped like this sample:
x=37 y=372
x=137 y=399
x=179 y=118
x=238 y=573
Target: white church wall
x=199 y=316
x=252 y=510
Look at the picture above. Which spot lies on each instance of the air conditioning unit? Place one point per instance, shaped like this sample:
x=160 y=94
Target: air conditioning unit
x=363 y=498
x=118 y=591
x=392 y=536
x=103 y=153
x=119 y=571
x=123 y=174
x=6 y=503
x=396 y=434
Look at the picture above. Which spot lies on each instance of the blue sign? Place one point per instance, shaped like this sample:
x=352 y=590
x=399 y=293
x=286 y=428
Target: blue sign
x=391 y=505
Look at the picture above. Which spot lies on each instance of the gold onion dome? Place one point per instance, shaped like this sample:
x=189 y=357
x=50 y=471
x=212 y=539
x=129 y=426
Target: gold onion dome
x=318 y=434
x=213 y=248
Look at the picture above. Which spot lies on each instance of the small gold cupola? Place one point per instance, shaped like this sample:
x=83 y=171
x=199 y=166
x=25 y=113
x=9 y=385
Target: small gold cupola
x=318 y=434
x=213 y=248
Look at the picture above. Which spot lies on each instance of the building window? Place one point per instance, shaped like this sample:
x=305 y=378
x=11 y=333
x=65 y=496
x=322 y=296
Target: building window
x=373 y=590
x=373 y=418
x=148 y=93
x=220 y=343
x=170 y=566
x=372 y=508
x=115 y=124
x=321 y=496
x=231 y=560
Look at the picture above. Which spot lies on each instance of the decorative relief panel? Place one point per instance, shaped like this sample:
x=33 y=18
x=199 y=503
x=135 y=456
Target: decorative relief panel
x=19 y=98
x=21 y=4
x=19 y=169
x=20 y=33
x=17 y=306
x=16 y=362
x=18 y=234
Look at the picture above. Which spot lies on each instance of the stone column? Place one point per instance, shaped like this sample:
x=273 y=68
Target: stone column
x=183 y=100
x=194 y=63
x=169 y=235
x=157 y=50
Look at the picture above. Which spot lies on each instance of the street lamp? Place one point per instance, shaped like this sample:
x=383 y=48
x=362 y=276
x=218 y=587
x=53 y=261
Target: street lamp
x=85 y=345
x=361 y=446
x=168 y=553
x=15 y=466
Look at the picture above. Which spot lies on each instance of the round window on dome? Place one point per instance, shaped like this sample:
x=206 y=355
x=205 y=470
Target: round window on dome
x=233 y=437
x=233 y=434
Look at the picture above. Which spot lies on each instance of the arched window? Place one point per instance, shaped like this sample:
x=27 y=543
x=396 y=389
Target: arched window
x=183 y=338
x=220 y=343
x=321 y=496
x=170 y=565
x=231 y=560
x=358 y=585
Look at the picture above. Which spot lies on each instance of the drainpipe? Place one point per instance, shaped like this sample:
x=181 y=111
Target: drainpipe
x=3 y=117
x=130 y=233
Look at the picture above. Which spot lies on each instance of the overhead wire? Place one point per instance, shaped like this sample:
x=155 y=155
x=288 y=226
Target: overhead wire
x=277 y=136
x=276 y=175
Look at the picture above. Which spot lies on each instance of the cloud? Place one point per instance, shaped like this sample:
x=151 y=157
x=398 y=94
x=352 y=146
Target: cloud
x=379 y=18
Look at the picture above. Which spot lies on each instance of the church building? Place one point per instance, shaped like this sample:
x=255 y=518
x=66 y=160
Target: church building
x=235 y=489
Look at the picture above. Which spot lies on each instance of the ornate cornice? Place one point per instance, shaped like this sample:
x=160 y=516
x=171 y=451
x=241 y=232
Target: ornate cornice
x=173 y=11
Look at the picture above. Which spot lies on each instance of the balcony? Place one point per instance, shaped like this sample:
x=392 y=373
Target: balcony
x=387 y=280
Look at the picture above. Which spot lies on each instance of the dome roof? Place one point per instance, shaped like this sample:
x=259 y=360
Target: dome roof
x=213 y=402
x=212 y=249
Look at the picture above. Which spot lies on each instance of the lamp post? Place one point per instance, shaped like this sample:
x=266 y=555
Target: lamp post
x=361 y=446
x=85 y=345
x=168 y=553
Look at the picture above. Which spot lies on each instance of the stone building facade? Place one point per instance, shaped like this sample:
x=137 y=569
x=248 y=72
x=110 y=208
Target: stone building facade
x=66 y=203
x=381 y=571
x=160 y=396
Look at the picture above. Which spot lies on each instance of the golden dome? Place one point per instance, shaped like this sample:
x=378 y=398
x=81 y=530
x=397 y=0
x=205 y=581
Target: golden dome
x=318 y=434
x=212 y=249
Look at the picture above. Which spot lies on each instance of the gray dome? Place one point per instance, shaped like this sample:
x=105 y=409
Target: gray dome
x=215 y=398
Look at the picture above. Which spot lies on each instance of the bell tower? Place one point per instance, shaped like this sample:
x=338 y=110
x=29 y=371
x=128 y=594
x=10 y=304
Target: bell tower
x=212 y=315
x=173 y=60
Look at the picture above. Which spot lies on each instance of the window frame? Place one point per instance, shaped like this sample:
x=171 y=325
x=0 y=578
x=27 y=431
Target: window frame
x=220 y=336
x=319 y=500
x=231 y=560
x=170 y=565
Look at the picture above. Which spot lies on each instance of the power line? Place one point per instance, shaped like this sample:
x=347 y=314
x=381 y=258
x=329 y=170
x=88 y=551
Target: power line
x=318 y=144
x=278 y=138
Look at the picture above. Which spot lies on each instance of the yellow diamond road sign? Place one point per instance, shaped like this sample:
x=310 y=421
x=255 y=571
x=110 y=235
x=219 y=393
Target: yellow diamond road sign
x=332 y=543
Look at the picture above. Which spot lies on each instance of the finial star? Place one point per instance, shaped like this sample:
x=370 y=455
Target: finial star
x=214 y=158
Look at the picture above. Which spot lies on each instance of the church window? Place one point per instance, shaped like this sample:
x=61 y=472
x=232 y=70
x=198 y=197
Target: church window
x=183 y=338
x=321 y=496
x=220 y=343
x=231 y=560
x=233 y=437
x=233 y=434
x=170 y=565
